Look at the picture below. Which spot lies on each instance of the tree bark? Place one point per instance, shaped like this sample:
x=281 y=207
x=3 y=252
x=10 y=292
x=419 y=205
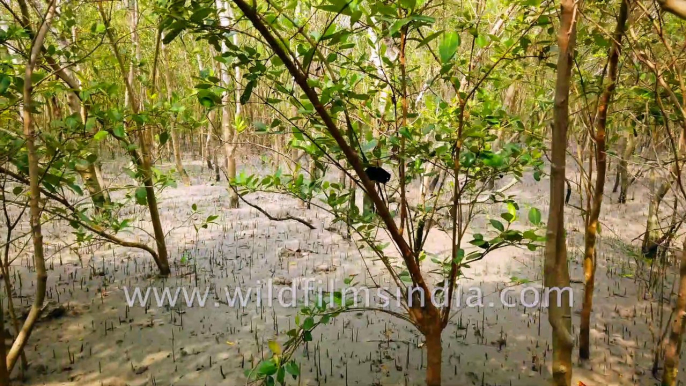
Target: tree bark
x=4 y=375
x=434 y=358
x=591 y=232
x=624 y=167
x=653 y=233
x=89 y=172
x=556 y=271
x=173 y=129
x=34 y=199
x=143 y=161
x=228 y=130
x=673 y=346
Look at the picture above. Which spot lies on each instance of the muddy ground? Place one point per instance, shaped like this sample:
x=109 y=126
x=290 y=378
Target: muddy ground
x=99 y=340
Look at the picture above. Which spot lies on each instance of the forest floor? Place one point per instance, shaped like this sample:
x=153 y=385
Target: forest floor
x=99 y=340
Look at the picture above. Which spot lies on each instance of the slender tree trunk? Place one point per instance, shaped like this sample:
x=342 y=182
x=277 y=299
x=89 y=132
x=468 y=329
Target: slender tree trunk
x=403 y=123
x=4 y=375
x=34 y=198
x=618 y=173
x=174 y=130
x=591 y=232
x=556 y=272
x=210 y=151
x=673 y=345
x=5 y=266
x=509 y=104
x=228 y=129
x=624 y=167
x=652 y=234
x=142 y=161
x=88 y=171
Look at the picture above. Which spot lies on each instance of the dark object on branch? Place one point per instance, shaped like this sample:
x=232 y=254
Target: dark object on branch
x=650 y=251
x=378 y=174
x=569 y=192
x=380 y=177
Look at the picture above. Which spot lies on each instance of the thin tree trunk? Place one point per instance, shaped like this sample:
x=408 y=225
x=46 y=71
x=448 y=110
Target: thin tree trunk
x=673 y=346
x=228 y=130
x=4 y=375
x=591 y=232
x=556 y=272
x=403 y=123
x=210 y=150
x=624 y=167
x=143 y=161
x=653 y=234
x=5 y=266
x=88 y=171
x=615 y=186
x=34 y=199
x=173 y=129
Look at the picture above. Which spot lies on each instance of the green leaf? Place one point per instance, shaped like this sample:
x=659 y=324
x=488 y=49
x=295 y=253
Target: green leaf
x=482 y=41
x=448 y=46
x=119 y=132
x=281 y=376
x=405 y=132
x=512 y=210
x=429 y=39
x=267 y=367
x=100 y=135
x=535 y=216
x=141 y=196
x=308 y=324
x=245 y=96
x=164 y=137
x=293 y=369
x=171 y=35
x=17 y=190
x=5 y=82
x=498 y=225
x=275 y=347
x=398 y=25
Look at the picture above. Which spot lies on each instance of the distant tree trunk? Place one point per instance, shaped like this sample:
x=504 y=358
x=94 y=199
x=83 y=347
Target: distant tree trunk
x=88 y=171
x=509 y=105
x=210 y=150
x=591 y=232
x=217 y=174
x=228 y=129
x=142 y=161
x=556 y=272
x=176 y=146
x=673 y=345
x=624 y=167
x=375 y=57
x=653 y=233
